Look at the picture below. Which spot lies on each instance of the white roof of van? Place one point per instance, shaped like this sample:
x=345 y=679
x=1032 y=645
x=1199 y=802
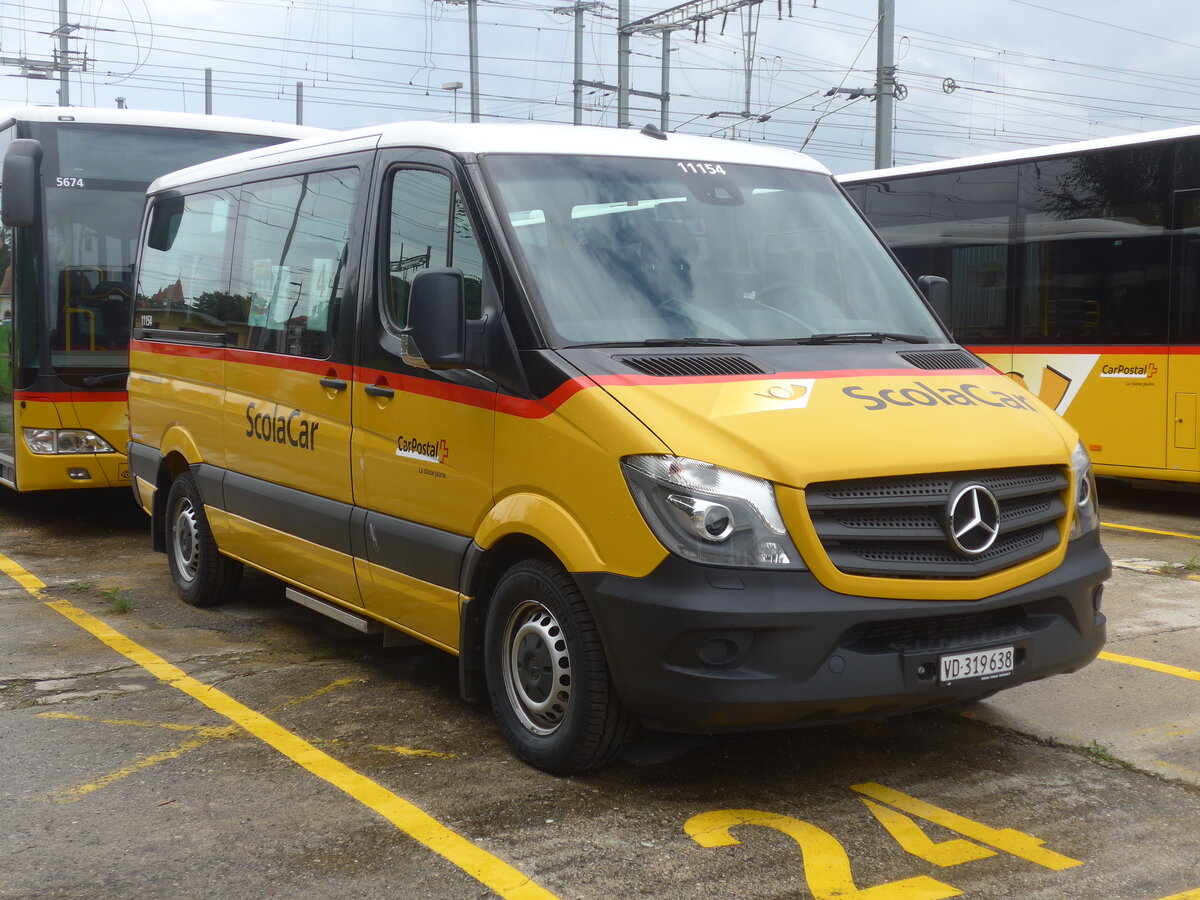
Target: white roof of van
x=525 y=137
x=193 y=121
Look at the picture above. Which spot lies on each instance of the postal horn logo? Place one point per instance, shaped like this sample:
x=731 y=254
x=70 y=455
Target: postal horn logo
x=973 y=520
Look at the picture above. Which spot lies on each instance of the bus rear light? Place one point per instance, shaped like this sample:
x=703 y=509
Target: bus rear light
x=49 y=441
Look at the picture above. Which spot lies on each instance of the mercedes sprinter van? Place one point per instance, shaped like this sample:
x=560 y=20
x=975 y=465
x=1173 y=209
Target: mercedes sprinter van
x=647 y=429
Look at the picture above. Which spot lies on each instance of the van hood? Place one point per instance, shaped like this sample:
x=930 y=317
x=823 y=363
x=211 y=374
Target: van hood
x=796 y=424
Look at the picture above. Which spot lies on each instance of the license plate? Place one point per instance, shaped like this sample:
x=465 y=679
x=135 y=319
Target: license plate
x=982 y=664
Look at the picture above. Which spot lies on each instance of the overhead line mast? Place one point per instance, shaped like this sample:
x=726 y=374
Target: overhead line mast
x=692 y=14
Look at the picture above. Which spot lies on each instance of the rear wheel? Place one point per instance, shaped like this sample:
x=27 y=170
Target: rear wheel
x=202 y=575
x=547 y=674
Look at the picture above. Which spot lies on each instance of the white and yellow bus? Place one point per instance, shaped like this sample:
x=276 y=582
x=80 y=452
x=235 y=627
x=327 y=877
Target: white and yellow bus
x=644 y=428
x=74 y=186
x=1075 y=269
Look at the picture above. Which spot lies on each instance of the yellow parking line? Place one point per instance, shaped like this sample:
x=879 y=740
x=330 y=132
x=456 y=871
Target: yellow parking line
x=1186 y=895
x=1180 y=534
x=491 y=871
x=1150 y=664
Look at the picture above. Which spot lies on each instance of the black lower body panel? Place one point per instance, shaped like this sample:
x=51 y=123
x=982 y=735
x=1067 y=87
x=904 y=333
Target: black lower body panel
x=698 y=649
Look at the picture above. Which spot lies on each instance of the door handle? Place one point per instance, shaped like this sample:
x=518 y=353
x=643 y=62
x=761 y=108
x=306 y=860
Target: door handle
x=379 y=390
x=334 y=384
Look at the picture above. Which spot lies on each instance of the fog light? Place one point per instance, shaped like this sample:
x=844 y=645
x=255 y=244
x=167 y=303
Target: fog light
x=771 y=553
x=79 y=474
x=718 y=651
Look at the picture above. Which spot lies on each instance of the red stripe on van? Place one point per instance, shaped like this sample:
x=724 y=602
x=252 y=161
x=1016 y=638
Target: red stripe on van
x=71 y=397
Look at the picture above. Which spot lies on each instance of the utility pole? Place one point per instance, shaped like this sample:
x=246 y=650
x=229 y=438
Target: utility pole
x=473 y=49
x=63 y=32
x=64 y=62
x=885 y=85
x=299 y=102
x=886 y=89
x=623 y=64
x=578 y=9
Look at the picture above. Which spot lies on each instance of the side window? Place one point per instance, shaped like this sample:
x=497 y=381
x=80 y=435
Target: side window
x=428 y=228
x=183 y=282
x=293 y=237
x=1094 y=263
x=465 y=255
x=418 y=233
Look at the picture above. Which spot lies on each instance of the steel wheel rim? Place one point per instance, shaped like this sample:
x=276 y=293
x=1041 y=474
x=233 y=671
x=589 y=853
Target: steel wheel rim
x=185 y=541
x=537 y=668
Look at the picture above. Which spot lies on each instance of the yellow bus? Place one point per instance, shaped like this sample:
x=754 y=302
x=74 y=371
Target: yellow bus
x=72 y=195
x=1074 y=269
x=645 y=429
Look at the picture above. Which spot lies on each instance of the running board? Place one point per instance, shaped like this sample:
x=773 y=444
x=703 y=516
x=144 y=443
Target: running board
x=337 y=613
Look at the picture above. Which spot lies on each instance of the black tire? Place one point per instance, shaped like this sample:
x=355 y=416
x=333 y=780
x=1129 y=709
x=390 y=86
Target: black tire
x=202 y=575
x=547 y=674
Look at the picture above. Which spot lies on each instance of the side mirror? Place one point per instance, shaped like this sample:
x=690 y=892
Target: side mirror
x=165 y=217
x=21 y=180
x=937 y=291
x=436 y=334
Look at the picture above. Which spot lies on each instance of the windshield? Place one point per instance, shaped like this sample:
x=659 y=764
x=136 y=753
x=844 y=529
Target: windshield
x=95 y=177
x=627 y=250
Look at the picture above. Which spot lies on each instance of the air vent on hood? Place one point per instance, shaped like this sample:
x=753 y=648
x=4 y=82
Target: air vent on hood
x=943 y=359
x=694 y=365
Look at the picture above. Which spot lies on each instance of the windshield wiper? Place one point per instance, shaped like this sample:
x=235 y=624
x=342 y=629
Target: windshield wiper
x=867 y=337
x=661 y=342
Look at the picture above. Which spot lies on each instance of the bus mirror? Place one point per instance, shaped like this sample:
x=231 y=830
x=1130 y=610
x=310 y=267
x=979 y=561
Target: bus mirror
x=165 y=217
x=435 y=337
x=21 y=179
x=937 y=291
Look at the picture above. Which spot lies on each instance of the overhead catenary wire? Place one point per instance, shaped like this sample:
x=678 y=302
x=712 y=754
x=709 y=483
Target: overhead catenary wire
x=345 y=68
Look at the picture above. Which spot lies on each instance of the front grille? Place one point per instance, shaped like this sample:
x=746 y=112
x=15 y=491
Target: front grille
x=939 y=633
x=692 y=365
x=897 y=527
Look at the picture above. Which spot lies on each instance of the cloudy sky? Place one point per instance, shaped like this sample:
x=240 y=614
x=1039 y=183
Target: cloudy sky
x=1020 y=73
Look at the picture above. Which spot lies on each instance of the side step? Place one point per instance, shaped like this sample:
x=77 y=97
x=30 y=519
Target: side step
x=335 y=612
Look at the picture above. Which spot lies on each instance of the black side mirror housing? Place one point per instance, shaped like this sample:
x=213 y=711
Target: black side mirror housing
x=436 y=334
x=21 y=180
x=165 y=217
x=937 y=291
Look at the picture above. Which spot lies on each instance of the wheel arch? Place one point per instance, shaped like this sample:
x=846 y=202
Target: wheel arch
x=482 y=571
x=172 y=465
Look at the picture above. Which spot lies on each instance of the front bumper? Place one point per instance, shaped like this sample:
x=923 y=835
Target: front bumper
x=698 y=649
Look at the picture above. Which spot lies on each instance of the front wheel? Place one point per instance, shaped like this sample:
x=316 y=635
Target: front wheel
x=202 y=575
x=547 y=674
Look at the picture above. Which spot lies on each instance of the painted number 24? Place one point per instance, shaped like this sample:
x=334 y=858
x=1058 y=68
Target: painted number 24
x=827 y=865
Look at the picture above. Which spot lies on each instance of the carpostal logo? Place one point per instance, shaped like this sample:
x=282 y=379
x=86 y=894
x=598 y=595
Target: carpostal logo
x=434 y=451
x=1147 y=371
x=289 y=427
x=920 y=394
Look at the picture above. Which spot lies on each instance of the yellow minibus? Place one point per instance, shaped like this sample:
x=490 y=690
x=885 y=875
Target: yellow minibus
x=74 y=185
x=648 y=430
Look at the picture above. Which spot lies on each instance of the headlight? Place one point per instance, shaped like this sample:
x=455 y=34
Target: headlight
x=46 y=441
x=709 y=514
x=1086 y=514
